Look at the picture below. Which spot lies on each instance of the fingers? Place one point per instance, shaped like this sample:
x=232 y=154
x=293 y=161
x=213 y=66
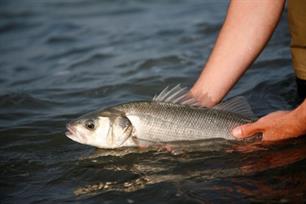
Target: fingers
x=273 y=126
x=246 y=130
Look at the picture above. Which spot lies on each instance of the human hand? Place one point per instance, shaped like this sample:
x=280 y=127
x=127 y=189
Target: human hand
x=275 y=126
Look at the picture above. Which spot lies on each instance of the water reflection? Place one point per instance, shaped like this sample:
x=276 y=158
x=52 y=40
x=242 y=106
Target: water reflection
x=77 y=56
x=199 y=169
x=275 y=158
x=274 y=174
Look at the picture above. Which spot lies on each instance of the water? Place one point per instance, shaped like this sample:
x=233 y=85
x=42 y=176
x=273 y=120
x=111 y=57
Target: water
x=62 y=58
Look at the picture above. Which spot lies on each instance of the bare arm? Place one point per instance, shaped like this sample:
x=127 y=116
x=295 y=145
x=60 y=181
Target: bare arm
x=247 y=28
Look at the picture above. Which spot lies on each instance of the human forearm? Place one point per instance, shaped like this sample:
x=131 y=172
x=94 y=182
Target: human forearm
x=247 y=28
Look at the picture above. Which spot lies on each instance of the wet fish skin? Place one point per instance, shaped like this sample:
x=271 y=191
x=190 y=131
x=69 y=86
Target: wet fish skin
x=171 y=116
x=166 y=122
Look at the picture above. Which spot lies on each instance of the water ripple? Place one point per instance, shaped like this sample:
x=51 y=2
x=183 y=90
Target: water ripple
x=62 y=58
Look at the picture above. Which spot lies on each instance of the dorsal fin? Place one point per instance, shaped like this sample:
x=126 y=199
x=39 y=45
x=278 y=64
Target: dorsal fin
x=238 y=104
x=176 y=95
x=181 y=95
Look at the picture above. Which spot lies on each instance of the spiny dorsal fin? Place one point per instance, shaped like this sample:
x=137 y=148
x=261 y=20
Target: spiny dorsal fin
x=176 y=95
x=180 y=95
x=238 y=104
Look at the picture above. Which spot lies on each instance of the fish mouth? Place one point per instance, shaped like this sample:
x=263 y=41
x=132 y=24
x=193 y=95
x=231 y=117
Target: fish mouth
x=71 y=132
x=74 y=134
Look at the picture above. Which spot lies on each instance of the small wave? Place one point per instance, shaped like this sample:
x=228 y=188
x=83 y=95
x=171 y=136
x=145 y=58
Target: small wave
x=14 y=26
x=23 y=100
x=207 y=28
x=16 y=13
x=91 y=59
x=161 y=61
x=61 y=39
x=78 y=50
x=273 y=63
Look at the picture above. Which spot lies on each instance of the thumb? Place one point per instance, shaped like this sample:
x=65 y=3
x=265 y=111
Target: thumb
x=246 y=130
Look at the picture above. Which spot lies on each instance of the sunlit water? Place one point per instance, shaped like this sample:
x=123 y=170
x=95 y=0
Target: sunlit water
x=62 y=58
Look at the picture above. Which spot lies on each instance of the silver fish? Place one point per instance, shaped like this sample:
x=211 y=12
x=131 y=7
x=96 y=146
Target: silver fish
x=171 y=116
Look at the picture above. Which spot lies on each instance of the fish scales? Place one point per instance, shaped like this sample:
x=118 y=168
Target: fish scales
x=171 y=116
x=165 y=122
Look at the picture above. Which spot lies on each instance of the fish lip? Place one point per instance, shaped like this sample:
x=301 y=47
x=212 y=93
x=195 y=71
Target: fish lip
x=73 y=134
x=71 y=129
x=73 y=137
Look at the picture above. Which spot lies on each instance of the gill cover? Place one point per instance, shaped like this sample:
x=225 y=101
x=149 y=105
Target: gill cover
x=120 y=129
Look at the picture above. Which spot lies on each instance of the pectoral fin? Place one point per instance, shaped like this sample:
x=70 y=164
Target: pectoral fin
x=123 y=128
x=143 y=143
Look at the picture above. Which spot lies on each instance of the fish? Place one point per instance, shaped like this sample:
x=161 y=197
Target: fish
x=171 y=116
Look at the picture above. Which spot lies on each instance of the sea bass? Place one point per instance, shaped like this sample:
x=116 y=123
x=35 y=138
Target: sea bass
x=171 y=116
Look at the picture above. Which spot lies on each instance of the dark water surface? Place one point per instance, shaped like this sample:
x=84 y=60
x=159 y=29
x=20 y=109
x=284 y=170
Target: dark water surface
x=61 y=58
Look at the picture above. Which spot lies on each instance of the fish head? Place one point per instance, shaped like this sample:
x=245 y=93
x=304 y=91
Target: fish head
x=89 y=129
x=104 y=130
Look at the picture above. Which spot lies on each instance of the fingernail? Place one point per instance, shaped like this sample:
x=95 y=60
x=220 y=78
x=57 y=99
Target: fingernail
x=236 y=132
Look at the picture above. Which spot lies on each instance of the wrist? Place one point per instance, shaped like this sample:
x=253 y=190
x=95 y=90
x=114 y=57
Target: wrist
x=299 y=116
x=202 y=96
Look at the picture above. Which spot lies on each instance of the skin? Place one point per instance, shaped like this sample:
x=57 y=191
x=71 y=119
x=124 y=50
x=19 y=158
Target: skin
x=278 y=125
x=246 y=30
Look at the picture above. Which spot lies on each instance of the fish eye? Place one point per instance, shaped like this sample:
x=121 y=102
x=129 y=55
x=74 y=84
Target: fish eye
x=90 y=124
